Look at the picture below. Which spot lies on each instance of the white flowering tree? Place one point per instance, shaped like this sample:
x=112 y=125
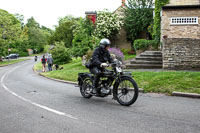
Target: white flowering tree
x=107 y=24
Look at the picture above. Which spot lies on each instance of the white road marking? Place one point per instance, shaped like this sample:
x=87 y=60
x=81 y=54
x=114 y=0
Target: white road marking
x=33 y=103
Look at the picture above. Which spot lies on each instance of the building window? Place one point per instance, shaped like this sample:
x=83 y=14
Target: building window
x=184 y=20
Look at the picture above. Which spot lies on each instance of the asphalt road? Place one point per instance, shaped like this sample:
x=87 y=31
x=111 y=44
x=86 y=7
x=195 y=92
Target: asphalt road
x=30 y=103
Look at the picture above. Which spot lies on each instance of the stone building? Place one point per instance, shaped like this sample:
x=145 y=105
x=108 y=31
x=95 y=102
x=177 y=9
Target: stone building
x=120 y=40
x=180 y=34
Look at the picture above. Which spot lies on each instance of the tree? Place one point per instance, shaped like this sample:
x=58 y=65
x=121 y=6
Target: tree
x=37 y=37
x=60 y=54
x=138 y=16
x=107 y=24
x=20 y=18
x=83 y=39
x=31 y=23
x=10 y=29
x=64 y=31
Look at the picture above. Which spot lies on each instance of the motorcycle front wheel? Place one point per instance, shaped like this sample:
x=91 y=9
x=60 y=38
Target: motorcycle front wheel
x=126 y=91
x=86 y=87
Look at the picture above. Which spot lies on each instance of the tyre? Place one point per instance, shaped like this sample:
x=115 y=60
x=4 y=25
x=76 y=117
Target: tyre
x=126 y=91
x=86 y=87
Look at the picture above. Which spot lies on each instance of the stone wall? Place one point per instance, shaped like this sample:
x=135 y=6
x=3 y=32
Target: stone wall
x=180 y=31
x=181 y=53
x=120 y=40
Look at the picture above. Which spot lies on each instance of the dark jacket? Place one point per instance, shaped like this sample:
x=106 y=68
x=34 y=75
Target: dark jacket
x=99 y=56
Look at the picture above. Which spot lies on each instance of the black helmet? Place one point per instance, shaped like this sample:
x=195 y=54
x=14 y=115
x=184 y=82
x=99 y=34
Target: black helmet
x=105 y=42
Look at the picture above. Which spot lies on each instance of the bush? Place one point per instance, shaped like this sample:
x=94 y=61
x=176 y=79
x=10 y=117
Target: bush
x=143 y=44
x=46 y=48
x=60 y=54
x=125 y=51
x=107 y=24
x=20 y=52
x=117 y=52
x=79 y=51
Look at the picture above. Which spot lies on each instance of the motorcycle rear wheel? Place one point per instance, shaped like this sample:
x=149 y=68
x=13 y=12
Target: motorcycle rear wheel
x=86 y=87
x=127 y=91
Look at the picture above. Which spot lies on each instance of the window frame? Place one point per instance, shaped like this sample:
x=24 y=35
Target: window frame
x=184 y=20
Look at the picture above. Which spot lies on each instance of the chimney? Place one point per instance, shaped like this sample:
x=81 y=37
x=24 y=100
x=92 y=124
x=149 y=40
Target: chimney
x=123 y=2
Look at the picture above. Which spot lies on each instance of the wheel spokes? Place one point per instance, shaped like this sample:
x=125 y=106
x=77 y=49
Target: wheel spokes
x=126 y=91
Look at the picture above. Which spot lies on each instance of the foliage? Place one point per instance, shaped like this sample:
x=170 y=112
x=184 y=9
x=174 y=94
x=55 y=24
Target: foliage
x=129 y=56
x=138 y=16
x=47 y=48
x=117 y=52
x=37 y=37
x=64 y=31
x=60 y=54
x=143 y=44
x=82 y=40
x=31 y=23
x=107 y=24
x=20 y=18
x=125 y=51
x=20 y=52
x=10 y=29
x=156 y=28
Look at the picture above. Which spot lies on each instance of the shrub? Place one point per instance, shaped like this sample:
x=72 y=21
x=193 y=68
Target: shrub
x=60 y=54
x=107 y=24
x=83 y=41
x=117 y=52
x=79 y=51
x=125 y=51
x=20 y=52
x=143 y=44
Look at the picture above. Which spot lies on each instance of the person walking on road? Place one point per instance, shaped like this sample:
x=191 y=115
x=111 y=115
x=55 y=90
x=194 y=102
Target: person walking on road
x=44 y=61
x=50 y=62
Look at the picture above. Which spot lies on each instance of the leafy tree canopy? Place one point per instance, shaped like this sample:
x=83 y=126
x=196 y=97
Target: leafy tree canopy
x=64 y=31
x=107 y=24
x=10 y=29
x=138 y=16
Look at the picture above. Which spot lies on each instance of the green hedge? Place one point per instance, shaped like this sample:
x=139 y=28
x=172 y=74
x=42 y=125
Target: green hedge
x=143 y=44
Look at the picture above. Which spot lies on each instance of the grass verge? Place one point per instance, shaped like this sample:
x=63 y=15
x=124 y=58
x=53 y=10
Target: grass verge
x=6 y=62
x=150 y=81
x=126 y=57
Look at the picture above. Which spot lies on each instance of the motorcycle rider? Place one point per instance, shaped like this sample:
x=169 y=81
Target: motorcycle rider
x=99 y=60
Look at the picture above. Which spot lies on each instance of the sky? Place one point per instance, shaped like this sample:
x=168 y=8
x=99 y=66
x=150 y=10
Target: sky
x=47 y=12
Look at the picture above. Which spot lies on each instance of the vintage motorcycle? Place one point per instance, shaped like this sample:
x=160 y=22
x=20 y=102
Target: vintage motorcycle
x=119 y=83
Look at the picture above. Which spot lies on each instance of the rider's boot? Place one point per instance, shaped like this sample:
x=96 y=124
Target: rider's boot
x=94 y=90
x=104 y=91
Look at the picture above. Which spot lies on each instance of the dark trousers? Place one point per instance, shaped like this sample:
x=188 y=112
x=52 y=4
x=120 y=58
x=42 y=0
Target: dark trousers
x=97 y=74
x=50 y=67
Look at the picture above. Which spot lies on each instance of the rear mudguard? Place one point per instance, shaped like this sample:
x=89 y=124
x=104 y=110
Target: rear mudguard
x=82 y=76
x=116 y=84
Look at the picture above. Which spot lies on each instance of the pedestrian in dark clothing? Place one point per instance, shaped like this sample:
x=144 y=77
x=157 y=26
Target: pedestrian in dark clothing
x=99 y=60
x=50 y=62
x=44 y=61
x=36 y=58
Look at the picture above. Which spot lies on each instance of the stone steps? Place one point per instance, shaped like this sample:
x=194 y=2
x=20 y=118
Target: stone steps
x=146 y=60
x=134 y=61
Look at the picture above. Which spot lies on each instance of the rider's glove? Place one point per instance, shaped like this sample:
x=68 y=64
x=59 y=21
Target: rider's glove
x=104 y=65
